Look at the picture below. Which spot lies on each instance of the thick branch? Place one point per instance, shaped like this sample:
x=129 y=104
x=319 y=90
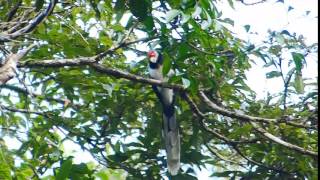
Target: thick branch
x=99 y=67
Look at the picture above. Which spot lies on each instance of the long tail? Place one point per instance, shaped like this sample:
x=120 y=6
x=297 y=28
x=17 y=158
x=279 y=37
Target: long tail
x=172 y=142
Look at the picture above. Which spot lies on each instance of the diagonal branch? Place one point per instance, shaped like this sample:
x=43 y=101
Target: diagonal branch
x=244 y=117
x=230 y=142
x=282 y=142
x=201 y=116
x=252 y=120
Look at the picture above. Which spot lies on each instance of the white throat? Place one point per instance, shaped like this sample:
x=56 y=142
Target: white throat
x=156 y=73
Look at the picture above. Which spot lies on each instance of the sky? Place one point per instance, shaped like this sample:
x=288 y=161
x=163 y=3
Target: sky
x=261 y=18
x=274 y=16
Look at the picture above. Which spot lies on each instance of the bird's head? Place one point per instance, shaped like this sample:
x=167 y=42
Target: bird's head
x=153 y=56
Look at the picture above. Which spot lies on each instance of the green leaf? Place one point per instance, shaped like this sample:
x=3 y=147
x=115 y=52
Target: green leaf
x=148 y=22
x=197 y=12
x=297 y=58
x=140 y=9
x=172 y=14
x=39 y=4
x=166 y=64
x=298 y=83
x=185 y=18
x=228 y=21
x=4 y=171
x=206 y=24
x=247 y=27
x=273 y=74
x=64 y=169
x=290 y=8
x=231 y=3
x=109 y=88
x=185 y=82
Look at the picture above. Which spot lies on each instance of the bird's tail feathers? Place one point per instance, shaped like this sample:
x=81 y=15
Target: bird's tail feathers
x=172 y=143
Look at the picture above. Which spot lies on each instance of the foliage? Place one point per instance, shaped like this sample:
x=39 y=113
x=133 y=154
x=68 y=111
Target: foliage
x=117 y=120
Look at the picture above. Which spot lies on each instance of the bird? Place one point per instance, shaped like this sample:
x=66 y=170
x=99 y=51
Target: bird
x=170 y=126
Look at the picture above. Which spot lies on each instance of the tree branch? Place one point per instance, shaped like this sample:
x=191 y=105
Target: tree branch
x=283 y=143
x=201 y=116
x=259 y=129
x=24 y=111
x=31 y=26
x=244 y=117
x=100 y=68
x=121 y=74
x=8 y=68
x=41 y=96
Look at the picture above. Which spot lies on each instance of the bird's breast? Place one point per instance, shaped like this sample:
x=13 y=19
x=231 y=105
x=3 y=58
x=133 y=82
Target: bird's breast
x=156 y=73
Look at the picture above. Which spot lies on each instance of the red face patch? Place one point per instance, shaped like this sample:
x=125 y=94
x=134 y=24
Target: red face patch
x=151 y=54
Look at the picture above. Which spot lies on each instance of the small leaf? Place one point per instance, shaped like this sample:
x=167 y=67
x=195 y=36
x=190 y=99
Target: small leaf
x=185 y=82
x=307 y=13
x=231 y=3
x=206 y=24
x=297 y=58
x=64 y=169
x=4 y=171
x=196 y=12
x=185 y=18
x=109 y=88
x=247 y=27
x=298 y=83
x=290 y=8
x=286 y=32
x=140 y=10
x=273 y=74
x=172 y=14
x=166 y=64
x=39 y=4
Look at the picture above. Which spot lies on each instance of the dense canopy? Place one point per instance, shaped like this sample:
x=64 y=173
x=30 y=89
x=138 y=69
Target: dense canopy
x=75 y=71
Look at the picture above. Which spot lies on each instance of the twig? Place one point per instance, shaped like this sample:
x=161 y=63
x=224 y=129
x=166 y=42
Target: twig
x=254 y=3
